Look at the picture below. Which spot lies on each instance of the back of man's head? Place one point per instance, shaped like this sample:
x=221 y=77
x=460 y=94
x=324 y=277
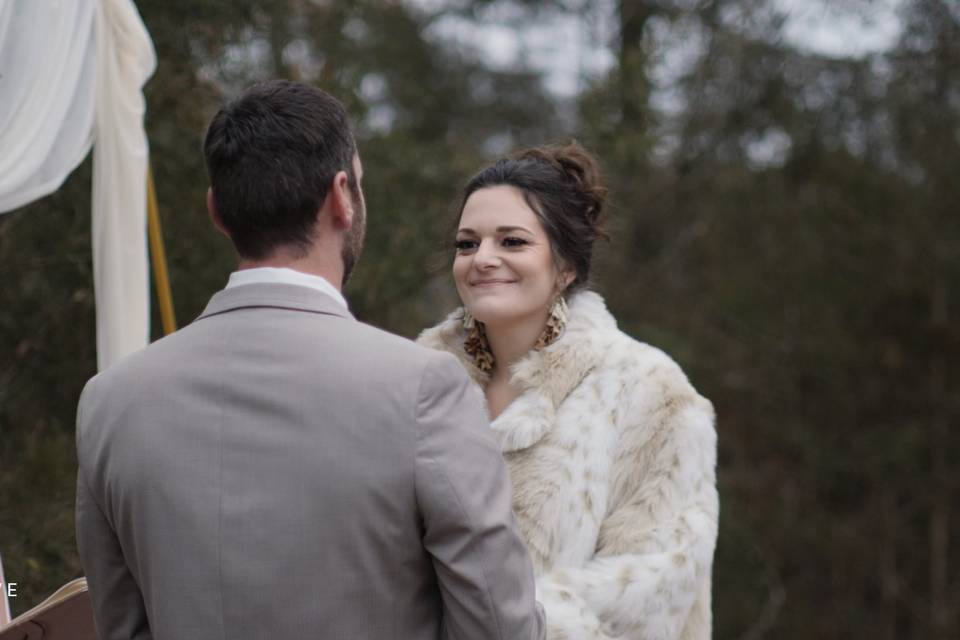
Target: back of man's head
x=272 y=154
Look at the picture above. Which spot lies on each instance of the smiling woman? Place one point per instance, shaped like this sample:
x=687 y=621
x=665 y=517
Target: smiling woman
x=504 y=270
x=610 y=449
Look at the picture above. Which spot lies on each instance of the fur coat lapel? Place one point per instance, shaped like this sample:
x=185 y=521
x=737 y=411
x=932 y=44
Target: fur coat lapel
x=546 y=377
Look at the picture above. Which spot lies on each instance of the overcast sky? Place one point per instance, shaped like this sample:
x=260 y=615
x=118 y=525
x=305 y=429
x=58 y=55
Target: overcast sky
x=568 y=48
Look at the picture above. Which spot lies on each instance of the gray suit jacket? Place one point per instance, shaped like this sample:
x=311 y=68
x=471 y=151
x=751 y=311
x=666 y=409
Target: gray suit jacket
x=279 y=470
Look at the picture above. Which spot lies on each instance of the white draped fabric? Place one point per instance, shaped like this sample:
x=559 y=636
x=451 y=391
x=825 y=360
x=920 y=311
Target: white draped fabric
x=71 y=75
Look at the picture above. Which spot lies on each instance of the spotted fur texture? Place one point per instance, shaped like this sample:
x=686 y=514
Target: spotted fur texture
x=612 y=455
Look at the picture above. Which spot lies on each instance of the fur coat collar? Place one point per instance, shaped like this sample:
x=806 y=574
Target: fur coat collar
x=546 y=377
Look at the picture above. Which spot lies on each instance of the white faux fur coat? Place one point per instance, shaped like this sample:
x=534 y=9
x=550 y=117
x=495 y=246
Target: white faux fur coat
x=612 y=455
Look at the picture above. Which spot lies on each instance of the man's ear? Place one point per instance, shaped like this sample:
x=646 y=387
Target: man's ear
x=340 y=199
x=215 y=213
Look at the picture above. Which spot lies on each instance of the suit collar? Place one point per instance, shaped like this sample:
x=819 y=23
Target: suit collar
x=285 y=275
x=546 y=377
x=277 y=295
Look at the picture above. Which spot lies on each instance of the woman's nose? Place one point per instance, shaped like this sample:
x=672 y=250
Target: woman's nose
x=486 y=256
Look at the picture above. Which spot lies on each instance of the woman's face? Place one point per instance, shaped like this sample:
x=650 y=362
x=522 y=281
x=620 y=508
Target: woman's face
x=504 y=268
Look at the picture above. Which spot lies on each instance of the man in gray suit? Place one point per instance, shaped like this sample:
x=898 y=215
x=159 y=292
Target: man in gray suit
x=277 y=469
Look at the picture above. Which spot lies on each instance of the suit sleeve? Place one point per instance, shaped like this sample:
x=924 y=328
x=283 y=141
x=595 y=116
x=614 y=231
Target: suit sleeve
x=655 y=547
x=483 y=569
x=118 y=608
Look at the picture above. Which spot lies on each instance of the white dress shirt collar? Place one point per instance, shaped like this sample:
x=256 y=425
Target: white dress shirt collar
x=282 y=275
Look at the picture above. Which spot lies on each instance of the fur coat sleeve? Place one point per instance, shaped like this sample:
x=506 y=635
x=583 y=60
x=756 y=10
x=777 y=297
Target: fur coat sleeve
x=649 y=577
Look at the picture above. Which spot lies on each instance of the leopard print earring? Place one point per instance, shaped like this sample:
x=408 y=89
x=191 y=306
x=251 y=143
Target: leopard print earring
x=556 y=323
x=475 y=343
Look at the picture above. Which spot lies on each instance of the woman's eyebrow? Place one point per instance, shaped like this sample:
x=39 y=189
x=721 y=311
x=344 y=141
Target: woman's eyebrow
x=503 y=229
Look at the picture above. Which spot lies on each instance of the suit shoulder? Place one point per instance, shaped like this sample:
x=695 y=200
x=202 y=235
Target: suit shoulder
x=400 y=346
x=132 y=365
x=392 y=355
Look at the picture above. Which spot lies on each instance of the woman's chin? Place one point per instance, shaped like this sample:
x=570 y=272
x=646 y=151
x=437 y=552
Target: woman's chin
x=490 y=314
x=499 y=317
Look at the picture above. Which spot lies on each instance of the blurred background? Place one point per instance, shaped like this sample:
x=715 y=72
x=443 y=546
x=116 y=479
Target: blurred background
x=785 y=208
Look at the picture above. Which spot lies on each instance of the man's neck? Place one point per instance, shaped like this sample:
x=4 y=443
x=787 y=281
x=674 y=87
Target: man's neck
x=311 y=264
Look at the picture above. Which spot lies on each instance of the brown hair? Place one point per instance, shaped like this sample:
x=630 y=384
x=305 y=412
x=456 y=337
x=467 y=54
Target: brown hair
x=272 y=154
x=563 y=187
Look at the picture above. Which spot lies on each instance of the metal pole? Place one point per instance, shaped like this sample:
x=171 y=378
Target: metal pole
x=159 y=259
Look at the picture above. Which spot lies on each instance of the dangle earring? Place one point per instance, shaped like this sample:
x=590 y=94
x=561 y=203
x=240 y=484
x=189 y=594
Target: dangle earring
x=556 y=322
x=475 y=342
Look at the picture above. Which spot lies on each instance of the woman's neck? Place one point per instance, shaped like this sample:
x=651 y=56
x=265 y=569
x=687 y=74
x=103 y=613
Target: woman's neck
x=511 y=342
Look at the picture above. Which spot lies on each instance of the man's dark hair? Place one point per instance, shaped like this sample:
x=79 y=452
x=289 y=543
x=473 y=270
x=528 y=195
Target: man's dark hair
x=272 y=154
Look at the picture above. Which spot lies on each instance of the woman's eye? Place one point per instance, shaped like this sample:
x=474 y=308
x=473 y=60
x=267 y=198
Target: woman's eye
x=514 y=242
x=465 y=245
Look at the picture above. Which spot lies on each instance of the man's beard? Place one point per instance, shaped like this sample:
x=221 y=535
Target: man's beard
x=353 y=240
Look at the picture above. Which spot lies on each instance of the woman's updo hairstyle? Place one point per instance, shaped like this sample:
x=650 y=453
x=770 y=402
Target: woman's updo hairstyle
x=562 y=185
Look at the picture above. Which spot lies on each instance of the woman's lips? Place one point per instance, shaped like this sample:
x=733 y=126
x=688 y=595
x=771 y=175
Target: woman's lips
x=490 y=283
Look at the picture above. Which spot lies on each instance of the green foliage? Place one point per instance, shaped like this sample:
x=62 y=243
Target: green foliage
x=47 y=338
